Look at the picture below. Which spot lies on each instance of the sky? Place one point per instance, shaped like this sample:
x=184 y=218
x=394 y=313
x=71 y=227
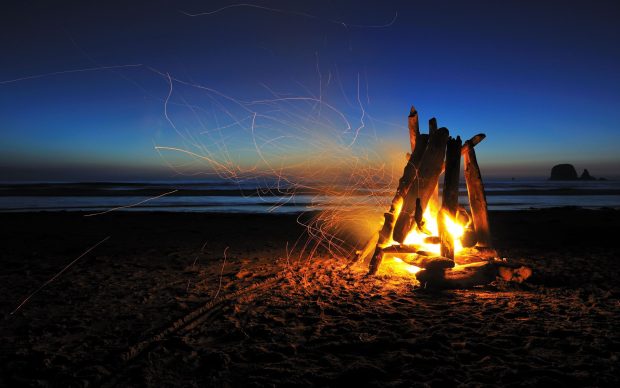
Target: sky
x=112 y=90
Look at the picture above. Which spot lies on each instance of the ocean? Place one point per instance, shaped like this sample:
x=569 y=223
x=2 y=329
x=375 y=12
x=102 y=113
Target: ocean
x=264 y=197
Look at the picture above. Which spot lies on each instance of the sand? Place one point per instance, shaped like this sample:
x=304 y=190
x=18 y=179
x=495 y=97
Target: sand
x=155 y=306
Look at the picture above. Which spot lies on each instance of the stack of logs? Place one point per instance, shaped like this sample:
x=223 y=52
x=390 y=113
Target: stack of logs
x=432 y=154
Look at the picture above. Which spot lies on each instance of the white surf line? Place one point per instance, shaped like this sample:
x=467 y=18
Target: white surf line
x=68 y=72
x=128 y=206
x=58 y=274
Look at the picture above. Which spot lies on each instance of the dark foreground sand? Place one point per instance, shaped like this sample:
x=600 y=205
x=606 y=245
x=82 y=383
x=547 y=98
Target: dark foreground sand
x=148 y=307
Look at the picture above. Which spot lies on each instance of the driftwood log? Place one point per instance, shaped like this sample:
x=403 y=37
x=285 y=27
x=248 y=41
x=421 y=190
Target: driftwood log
x=423 y=186
x=432 y=125
x=404 y=185
x=450 y=195
x=414 y=127
x=477 y=198
x=411 y=254
x=434 y=201
x=471 y=143
x=471 y=275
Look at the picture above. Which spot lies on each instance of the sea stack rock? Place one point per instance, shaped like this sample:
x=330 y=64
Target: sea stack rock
x=563 y=172
x=585 y=176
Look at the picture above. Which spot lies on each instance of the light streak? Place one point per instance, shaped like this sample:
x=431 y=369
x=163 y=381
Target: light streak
x=132 y=205
x=200 y=253
x=68 y=72
x=362 y=124
x=288 y=147
x=291 y=12
x=58 y=274
x=221 y=274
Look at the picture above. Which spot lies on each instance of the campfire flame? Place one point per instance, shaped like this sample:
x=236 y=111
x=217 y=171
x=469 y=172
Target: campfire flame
x=417 y=237
x=426 y=239
x=456 y=230
x=431 y=229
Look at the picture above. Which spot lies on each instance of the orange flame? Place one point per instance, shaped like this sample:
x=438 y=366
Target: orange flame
x=420 y=239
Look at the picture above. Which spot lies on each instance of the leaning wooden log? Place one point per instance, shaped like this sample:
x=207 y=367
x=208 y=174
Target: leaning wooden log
x=471 y=275
x=477 y=198
x=376 y=260
x=434 y=201
x=450 y=195
x=414 y=127
x=469 y=143
x=385 y=237
x=422 y=187
x=401 y=249
x=418 y=215
x=469 y=255
x=432 y=125
x=362 y=255
x=407 y=249
x=405 y=183
x=409 y=256
x=472 y=142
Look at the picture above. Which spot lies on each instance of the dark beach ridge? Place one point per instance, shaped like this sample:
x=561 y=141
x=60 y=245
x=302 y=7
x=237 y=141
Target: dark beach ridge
x=189 y=299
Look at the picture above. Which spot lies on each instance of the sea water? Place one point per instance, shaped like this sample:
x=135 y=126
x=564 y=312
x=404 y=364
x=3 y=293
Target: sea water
x=242 y=197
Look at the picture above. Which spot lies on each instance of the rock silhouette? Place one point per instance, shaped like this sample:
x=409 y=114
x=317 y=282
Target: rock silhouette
x=585 y=176
x=567 y=172
x=563 y=172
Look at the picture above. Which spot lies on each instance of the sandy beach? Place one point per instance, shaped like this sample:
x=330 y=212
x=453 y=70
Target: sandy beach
x=173 y=299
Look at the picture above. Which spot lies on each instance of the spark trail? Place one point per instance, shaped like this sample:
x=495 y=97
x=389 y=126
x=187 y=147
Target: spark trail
x=289 y=147
x=132 y=205
x=58 y=274
x=292 y=12
x=30 y=77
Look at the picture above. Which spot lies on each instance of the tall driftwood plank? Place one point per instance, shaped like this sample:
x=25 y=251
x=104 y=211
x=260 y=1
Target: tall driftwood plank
x=414 y=127
x=477 y=198
x=434 y=201
x=471 y=143
x=423 y=186
x=375 y=262
x=432 y=125
x=450 y=195
x=404 y=184
x=409 y=175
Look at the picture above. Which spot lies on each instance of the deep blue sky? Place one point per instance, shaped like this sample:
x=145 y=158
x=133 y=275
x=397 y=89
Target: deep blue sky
x=541 y=79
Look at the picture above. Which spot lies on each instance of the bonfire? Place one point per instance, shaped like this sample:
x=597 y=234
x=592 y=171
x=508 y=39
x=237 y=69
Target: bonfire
x=439 y=241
